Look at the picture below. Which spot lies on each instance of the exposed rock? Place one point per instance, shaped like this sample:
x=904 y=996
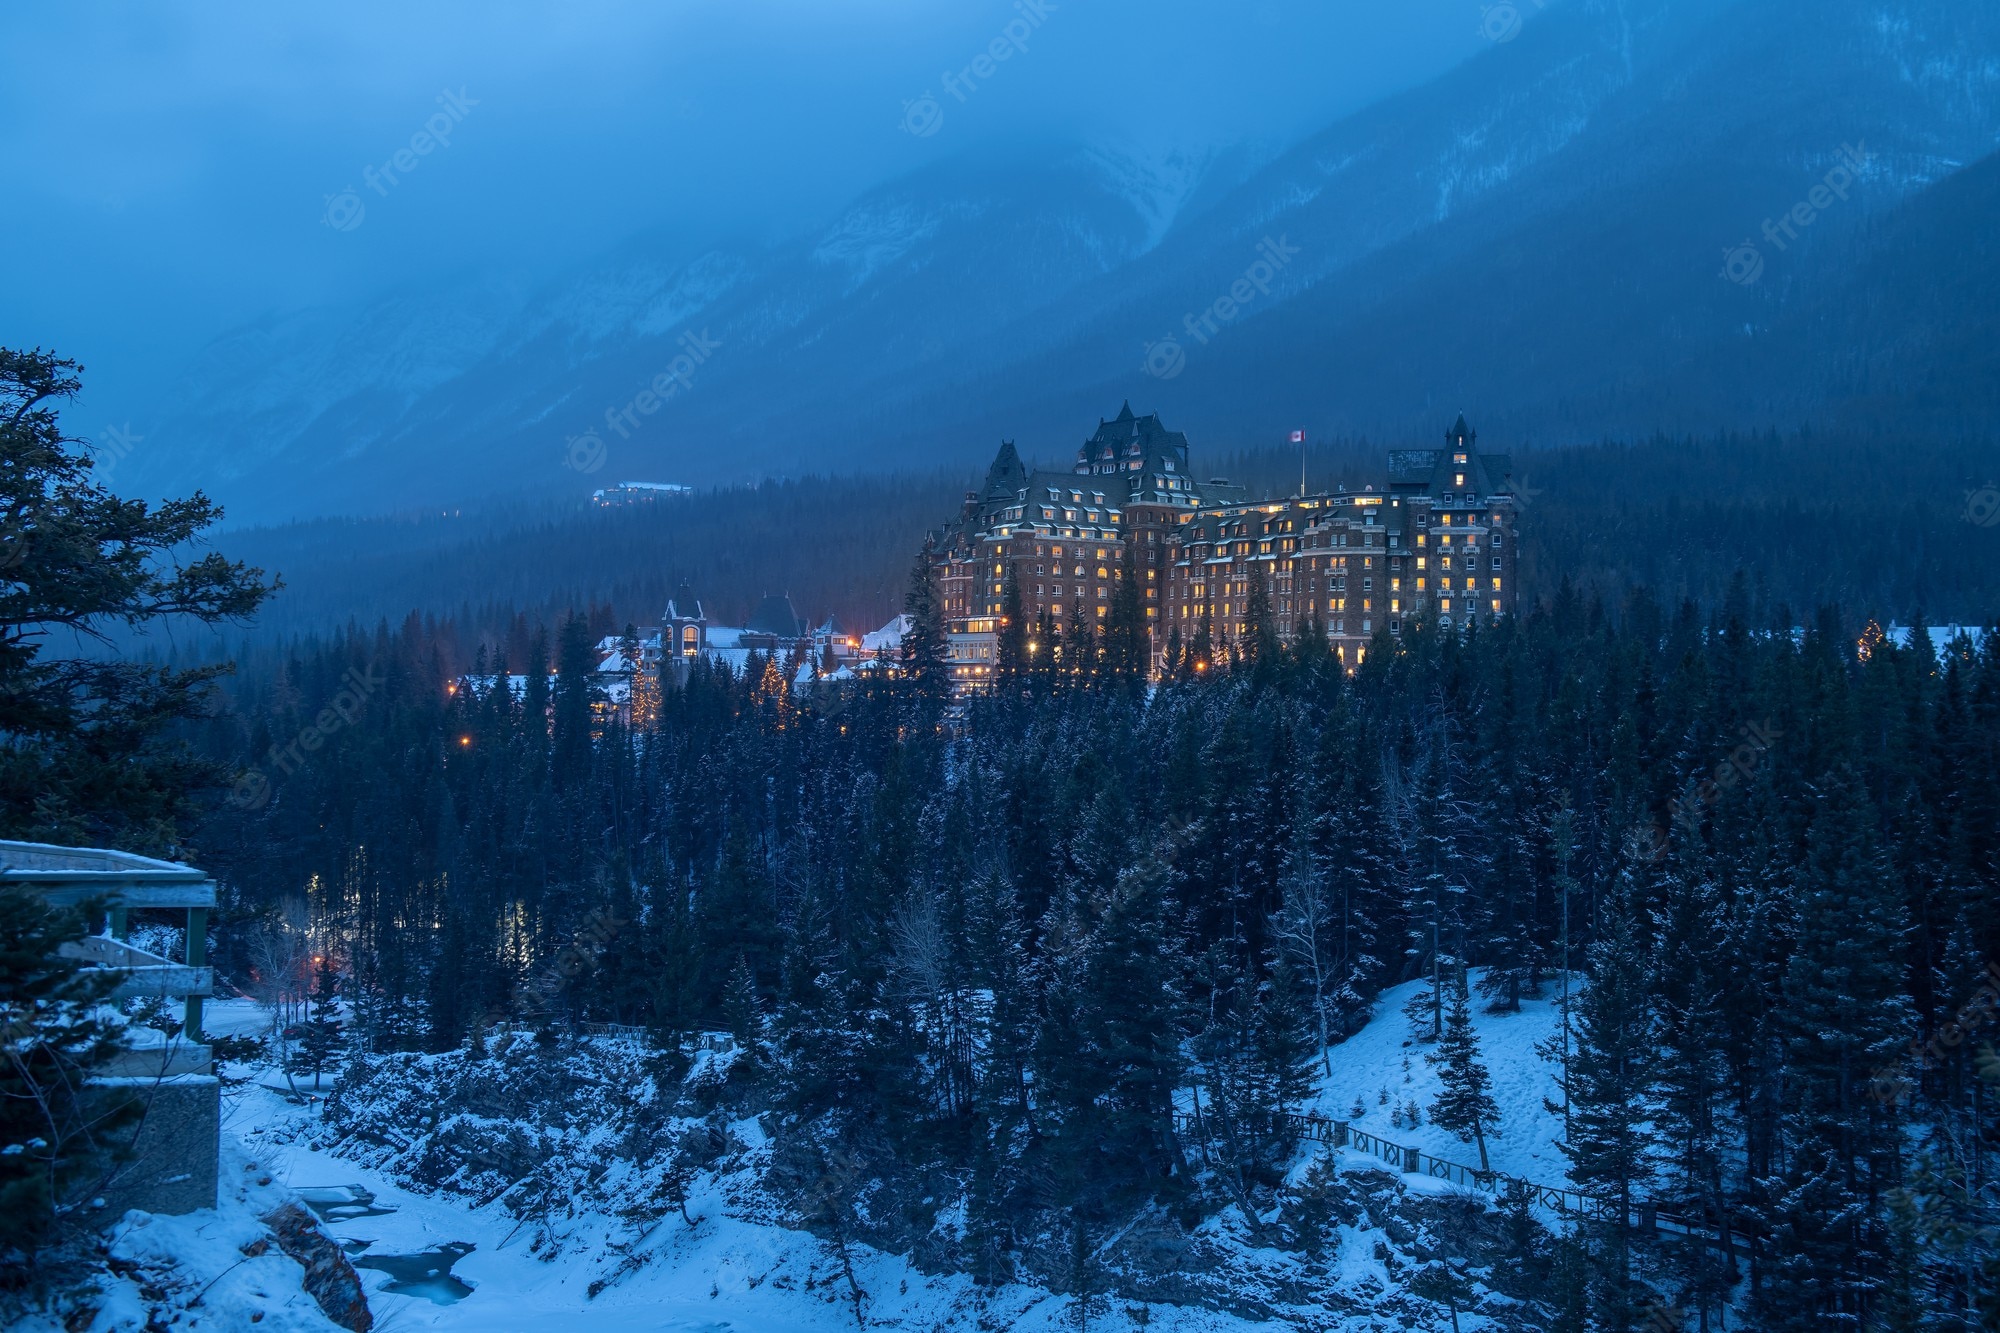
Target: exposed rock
x=330 y=1278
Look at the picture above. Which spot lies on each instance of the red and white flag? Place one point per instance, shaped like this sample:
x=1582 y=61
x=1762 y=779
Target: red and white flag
x=1298 y=437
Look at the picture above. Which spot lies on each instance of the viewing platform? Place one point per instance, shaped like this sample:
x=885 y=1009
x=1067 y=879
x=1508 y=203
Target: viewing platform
x=172 y=1168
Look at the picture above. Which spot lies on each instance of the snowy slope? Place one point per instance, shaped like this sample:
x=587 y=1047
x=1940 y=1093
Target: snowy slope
x=725 y=1272
x=437 y=1140
x=1382 y=1056
x=1535 y=237
x=215 y=1268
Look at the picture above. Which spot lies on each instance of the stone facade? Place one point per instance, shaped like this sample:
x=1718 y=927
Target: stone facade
x=1438 y=540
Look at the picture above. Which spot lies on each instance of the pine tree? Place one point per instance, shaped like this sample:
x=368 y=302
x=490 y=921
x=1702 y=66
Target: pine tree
x=91 y=756
x=925 y=664
x=1692 y=1041
x=1010 y=653
x=1201 y=652
x=1846 y=1016
x=57 y=1139
x=575 y=692
x=1108 y=1055
x=1260 y=645
x=1464 y=1104
x=319 y=1041
x=1125 y=629
x=745 y=1013
x=1607 y=1084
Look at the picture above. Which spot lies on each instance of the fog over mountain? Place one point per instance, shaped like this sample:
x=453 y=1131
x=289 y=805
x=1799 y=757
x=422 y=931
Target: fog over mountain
x=1559 y=227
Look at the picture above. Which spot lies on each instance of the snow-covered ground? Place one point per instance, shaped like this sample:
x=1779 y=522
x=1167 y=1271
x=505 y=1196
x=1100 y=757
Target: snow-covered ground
x=218 y=1267
x=725 y=1273
x=1383 y=1056
x=735 y=1270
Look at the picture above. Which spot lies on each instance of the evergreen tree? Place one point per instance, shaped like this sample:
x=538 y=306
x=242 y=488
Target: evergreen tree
x=1201 y=651
x=320 y=1038
x=925 y=664
x=1692 y=1043
x=57 y=1138
x=1259 y=644
x=744 y=1012
x=1010 y=654
x=1464 y=1104
x=1124 y=652
x=1846 y=1016
x=575 y=692
x=92 y=754
x=1609 y=1077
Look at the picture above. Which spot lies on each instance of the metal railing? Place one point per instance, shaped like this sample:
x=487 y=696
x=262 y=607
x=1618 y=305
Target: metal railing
x=1568 y=1203
x=123 y=881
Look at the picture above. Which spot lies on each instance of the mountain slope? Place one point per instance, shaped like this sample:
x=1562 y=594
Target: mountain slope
x=1538 y=238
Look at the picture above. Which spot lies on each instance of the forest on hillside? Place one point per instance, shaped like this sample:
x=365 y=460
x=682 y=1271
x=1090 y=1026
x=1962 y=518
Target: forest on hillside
x=975 y=966
x=1888 y=530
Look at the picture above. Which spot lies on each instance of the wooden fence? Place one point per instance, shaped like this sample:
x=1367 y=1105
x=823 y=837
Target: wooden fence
x=1567 y=1203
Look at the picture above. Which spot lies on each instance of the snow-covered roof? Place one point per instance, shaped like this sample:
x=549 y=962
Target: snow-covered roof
x=1942 y=636
x=516 y=685
x=889 y=636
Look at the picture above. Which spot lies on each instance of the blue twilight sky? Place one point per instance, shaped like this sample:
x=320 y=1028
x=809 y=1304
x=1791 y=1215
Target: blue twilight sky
x=169 y=164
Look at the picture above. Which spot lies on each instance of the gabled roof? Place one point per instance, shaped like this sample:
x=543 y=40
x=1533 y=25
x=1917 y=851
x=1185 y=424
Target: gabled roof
x=1007 y=475
x=685 y=606
x=1437 y=471
x=776 y=616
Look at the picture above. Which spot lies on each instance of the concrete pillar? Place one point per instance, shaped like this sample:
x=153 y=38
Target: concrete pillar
x=197 y=954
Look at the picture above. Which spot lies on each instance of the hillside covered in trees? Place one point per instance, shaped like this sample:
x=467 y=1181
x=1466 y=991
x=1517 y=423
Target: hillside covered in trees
x=973 y=970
